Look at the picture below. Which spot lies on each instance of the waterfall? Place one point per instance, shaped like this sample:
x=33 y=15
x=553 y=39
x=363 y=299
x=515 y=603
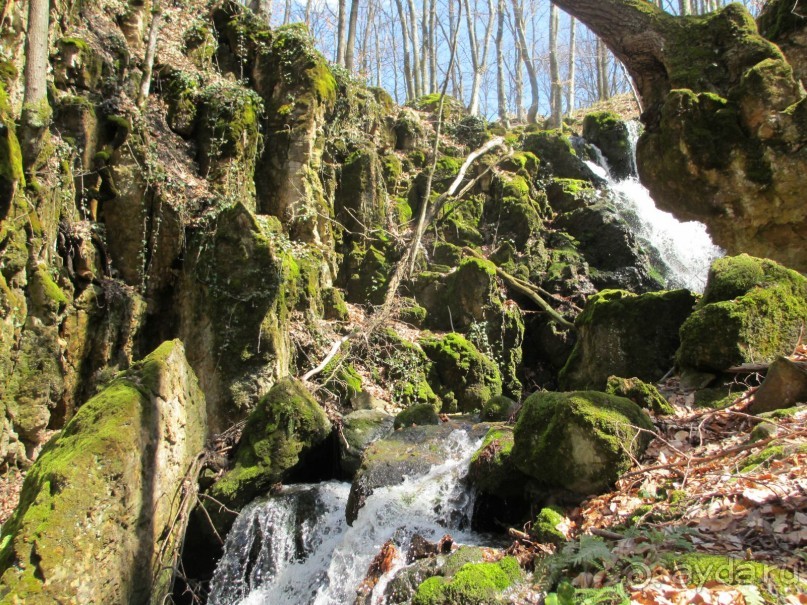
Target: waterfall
x=684 y=249
x=297 y=549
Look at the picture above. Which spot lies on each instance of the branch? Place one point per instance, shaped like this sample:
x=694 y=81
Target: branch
x=331 y=354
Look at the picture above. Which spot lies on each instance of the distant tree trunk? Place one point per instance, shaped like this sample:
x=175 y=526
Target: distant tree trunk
x=368 y=27
x=263 y=7
x=570 y=91
x=35 y=109
x=351 y=35
x=602 y=71
x=287 y=13
x=501 y=94
x=685 y=7
x=413 y=33
x=425 y=58
x=555 y=102
x=411 y=93
x=151 y=51
x=433 y=45
x=523 y=49
x=308 y=6
x=340 y=33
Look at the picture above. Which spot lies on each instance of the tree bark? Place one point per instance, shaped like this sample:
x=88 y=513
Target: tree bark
x=570 y=91
x=413 y=35
x=350 y=45
x=501 y=93
x=340 y=32
x=555 y=100
x=411 y=92
x=523 y=49
x=35 y=109
x=151 y=51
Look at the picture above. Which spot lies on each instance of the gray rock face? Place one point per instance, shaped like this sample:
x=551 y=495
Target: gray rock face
x=360 y=429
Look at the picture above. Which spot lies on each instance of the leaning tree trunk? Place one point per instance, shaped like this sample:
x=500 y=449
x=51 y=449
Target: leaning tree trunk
x=724 y=139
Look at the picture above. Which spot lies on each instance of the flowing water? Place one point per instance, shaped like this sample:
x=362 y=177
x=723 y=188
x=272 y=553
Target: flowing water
x=297 y=549
x=684 y=248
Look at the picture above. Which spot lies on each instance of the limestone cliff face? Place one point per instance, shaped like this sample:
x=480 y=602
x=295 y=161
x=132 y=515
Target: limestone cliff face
x=97 y=517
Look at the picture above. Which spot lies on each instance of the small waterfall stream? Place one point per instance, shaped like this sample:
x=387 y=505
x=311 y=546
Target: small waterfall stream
x=684 y=248
x=297 y=549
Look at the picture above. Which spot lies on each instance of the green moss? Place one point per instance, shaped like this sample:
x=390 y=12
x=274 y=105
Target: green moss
x=499 y=408
x=405 y=367
x=49 y=287
x=473 y=584
x=284 y=426
x=752 y=310
x=641 y=393
x=334 y=305
x=418 y=414
x=578 y=440
x=545 y=527
x=413 y=314
x=491 y=469
x=464 y=373
x=774 y=452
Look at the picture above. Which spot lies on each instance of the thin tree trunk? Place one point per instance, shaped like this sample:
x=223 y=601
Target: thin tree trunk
x=433 y=45
x=340 y=33
x=473 y=105
x=570 y=91
x=287 y=13
x=351 y=35
x=685 y=7
x=411 y=92
x=555 y=101
x=413 y=33
x=602 y=70
x=35 y=109
x=308 y=6
x=151 y=51
x=368 y=27
x=501 y=94
x=518 y=20
x=425 y=58
x=378 y=59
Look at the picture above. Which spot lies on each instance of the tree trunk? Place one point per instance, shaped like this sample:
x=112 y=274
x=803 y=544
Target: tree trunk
x=411 y=93
x=570 y=91
x=35 y=109
x=350 y=45
x=287 y=13
x=413 y=35
x=433 y=45
x=340 y=33
x=523 y=49
x=151 y=51
x=685 y=7
x=473 y=105
x=501 y=93
x=555 y=100
x=602 y=71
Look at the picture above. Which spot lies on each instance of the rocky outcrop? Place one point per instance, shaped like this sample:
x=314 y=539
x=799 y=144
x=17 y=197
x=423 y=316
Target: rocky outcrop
x=623 y=334
x=97 y=515
x=580 y=441
x=752 y=311
x=360 y=429
x=611 y=136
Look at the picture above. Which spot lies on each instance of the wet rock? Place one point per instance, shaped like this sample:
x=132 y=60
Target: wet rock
x=622 y=334
x=492 y=470
x=417 y=415
x=409 y=452
x=611 y=136
x=360 y=429
x=104 y=491
x=580 y=441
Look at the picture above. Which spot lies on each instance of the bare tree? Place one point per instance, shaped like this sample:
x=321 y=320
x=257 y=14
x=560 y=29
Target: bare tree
x=340 y=33
x=151 y=51
x=35 y=110
x=555 y=97
x=411 y=91
x=350 y=45
x=416 y=60
x=478 y=52
x=570 y=90
x=501 y=95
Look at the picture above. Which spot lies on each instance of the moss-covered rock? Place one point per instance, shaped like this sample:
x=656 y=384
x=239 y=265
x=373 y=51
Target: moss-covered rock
x=466 y=377
x=610 y=134
x=557 y=155
x=416 y=415
x=622 y=334
x=581 y=441
x=181 y=91
x=751 y=311
x=280 y=432
x=334 y=306
x=492 y=470
x=545 y=527
x=97 y=516
x=360 y=429
x=566 y=195
x=406 y=369
x=472 y=584
x=499 y=408
x=644 y=395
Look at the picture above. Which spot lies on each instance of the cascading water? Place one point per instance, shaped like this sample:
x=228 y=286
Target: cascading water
x=685 y=249
x=297 y=549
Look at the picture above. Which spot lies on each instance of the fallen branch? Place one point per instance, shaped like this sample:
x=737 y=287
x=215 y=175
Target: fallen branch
x=526 y=290
x=331 y=354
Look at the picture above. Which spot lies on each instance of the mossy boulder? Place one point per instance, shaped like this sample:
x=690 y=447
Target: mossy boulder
x=473 y=584
x=515 y=208
x=406 y=369
x=610 y=134
x=499 y=408
x=466 y=377
x=581 y=441
x=545 y=527
x=623 y=334
x=416 y=415
x=492 y=470
x=367 y=270
x=558 y=156
x=360 y=429
x=566 y=195
x=361 y=202
x=752 y=311
x=96 y=521
x=410 y=133
x=285 y=427
x=333 y=303
x=645 y=395
x=471 y=291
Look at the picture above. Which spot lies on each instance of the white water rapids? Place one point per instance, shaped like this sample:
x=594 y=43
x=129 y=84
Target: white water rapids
x=297 y=549
x=685 y=248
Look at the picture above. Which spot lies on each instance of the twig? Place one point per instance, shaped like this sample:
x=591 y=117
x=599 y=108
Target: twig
x=331 y=354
